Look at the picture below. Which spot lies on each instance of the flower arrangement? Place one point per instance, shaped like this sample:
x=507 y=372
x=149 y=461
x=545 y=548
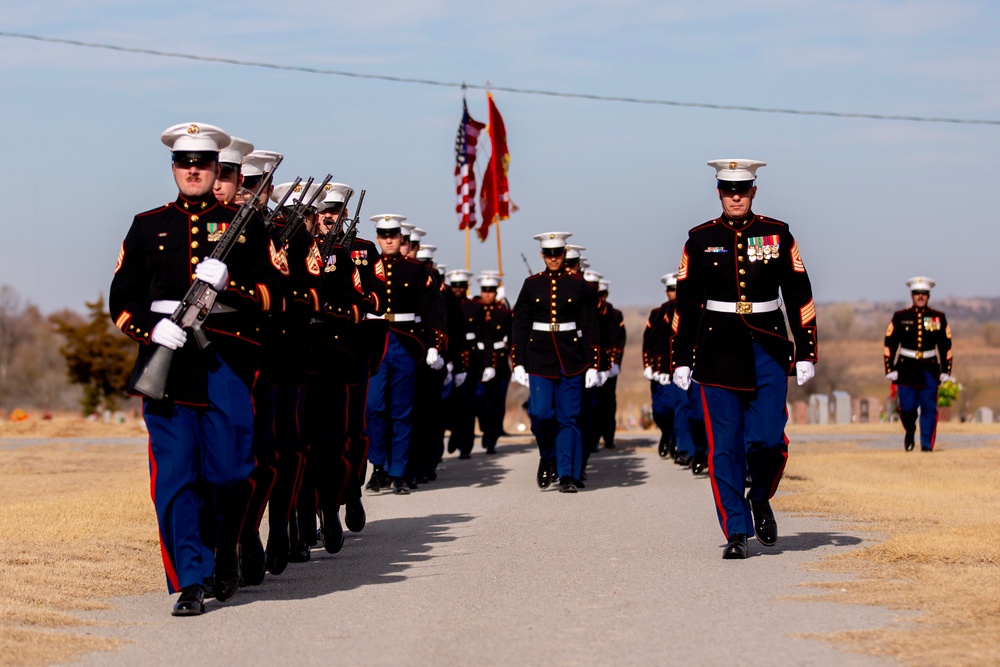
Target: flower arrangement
x=948 y=393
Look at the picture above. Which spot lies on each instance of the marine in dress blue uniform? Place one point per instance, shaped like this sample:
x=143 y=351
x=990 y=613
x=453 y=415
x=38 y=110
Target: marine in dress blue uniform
x=409 y=299
x=201 y=433
x=555 y=352
x=730 y=332
x=918 y=356
x=607 y=394
x=492 y=392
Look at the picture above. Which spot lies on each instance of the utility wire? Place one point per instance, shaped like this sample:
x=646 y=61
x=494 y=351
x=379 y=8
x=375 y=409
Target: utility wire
x=506 y=89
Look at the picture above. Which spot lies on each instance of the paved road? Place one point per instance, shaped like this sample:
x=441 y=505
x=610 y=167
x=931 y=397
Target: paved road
x=482 y=567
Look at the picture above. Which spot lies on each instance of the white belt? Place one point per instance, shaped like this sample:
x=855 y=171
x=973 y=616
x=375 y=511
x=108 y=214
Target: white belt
x=558 y=326
x=499 y=345
x=470 y=336
x=394 y=317
x=167 y=307
x=742 y=307
x=917 y=354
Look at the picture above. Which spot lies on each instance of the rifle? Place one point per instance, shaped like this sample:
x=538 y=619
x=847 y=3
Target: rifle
x=530 y=272
x=269 y=220
x=347 y=238
x=332 y=239
x=297 y=216
x=151 y=380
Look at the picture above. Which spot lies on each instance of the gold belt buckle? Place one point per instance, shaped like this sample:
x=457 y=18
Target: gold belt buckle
x=919 y=355
x=744 y=307
x=554 y=327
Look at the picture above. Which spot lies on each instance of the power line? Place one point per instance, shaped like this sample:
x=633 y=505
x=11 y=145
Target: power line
x=506 y=89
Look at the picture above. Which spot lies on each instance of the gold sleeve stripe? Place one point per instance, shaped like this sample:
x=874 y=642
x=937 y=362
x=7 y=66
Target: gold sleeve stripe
x=315 y=298
x=675 y=322
x=265 y=297
x=888 y=332
x=357 y=282
x=123 y=319
x=313 y=260
x=682 y=270
x=121 y=258
x=808 y=312
x=797 y=259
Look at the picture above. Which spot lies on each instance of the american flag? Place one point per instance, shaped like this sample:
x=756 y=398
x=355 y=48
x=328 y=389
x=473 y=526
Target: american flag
x=465 y=177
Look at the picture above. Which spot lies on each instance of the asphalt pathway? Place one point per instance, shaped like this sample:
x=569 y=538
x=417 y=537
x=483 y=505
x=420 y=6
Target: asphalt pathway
x=481 y=567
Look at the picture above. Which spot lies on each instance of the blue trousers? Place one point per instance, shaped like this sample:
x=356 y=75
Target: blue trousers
x=746 y=432
x=200 y=460
x=675 y=403
x=491 y=399
x=910 y=398
x=390 y=404
x=554 y=407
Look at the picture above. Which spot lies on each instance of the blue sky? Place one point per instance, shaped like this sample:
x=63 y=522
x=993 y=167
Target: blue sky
x=871 y=202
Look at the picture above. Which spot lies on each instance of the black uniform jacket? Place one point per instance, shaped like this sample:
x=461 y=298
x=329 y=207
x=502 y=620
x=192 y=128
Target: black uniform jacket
x=616 y=346
x=284 y=355
x=371 y=335
x=913 y=333
x=656 y=337
x=467 y=341
x=410 y=291
x=748 y=261
x=498 y=324
x=343 y=304
x=156 y=262
x=604 y=327
x=551 y=298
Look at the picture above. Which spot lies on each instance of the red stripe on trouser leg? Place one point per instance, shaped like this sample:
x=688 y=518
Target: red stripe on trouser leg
x=168 y=564
x=723 y=518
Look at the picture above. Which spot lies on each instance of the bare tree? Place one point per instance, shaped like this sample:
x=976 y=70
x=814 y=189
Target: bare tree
x=12 y=329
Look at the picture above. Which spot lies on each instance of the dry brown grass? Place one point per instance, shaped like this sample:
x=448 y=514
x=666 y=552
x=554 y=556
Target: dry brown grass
x=76 y=527
x=938 y=547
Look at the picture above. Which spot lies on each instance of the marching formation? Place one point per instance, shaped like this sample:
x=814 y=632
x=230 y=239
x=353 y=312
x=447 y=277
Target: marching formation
x=280 y=353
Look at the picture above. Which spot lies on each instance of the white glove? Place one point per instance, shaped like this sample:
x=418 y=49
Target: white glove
x=460 y=378
x=168 y=334
x=648 y=373
x=682 y=377
x=501 y=293
x=488 y=374
x=662 y=378
x=591 y=379
x=602 y=377
x=449 y=367
x=894 y=375
x=213 y=272
x=519 y=375
x=434 y=359
x=944 y=377
x=615 y=370
x=804 y=371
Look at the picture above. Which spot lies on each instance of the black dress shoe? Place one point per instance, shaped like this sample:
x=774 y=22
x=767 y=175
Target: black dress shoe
x=736 y=547
x=542 y=476
x=208 y=586
x=227 y=573
x=664 y=448
x=399 y=487
x=252 y=561
x=908 y=440
x=299 y=553
x=567 y=485
x=411 y=483
x=276 y=554
x=354 y=515
x=579 y=484
x=331 y=532
x=431 y=475
x=452 y=446
x=191 y=602
x=375 y=483
x=699 y=464
x=765 y=528
x=491 y=450
x=421 y=479
x=465 y=455
x=683 y=460
x=609 y=445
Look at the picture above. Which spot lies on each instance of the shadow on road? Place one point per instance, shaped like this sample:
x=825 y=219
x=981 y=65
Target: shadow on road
x=609 y=468
x=481 y=470
x=808 y=542
x=381 y=554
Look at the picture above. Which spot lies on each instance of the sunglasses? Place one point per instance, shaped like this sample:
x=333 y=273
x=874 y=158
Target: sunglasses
x=920 y=293
x=553 y=252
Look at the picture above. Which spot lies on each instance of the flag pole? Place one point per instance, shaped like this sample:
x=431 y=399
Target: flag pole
x=499 y=252
x=468 y=264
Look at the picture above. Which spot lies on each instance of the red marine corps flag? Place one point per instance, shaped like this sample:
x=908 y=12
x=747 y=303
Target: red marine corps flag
x=465 y=177
x=494 y=197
